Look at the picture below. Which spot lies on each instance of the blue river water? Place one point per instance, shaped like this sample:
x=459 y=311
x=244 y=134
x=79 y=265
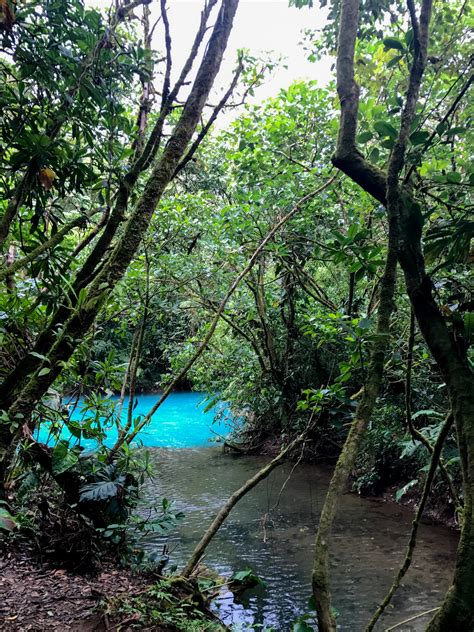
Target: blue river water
x=272 y=530
x=180 y=422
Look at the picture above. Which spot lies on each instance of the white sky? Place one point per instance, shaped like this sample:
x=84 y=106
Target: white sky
x=260 y=26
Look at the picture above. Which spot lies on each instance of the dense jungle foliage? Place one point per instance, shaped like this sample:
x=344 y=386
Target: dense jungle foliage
x=144 y=251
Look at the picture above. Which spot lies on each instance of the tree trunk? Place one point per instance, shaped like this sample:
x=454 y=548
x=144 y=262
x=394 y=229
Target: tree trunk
x=457 y=610
x=79 y=322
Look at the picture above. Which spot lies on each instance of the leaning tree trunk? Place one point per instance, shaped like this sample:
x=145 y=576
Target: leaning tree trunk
x=80 y=321
x=457 y=611
x=346 y=460
x=346 y=83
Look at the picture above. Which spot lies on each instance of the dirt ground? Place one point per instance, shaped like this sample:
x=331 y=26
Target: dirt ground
x=37 y=598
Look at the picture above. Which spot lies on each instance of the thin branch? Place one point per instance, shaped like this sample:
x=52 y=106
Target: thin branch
x=416 y=522
x=416 y=616
x=450 y=111
x=147 y=84
x=53 y=241
x=212 y=327
x=234 y=499
x=167 y=79
x=205 y=129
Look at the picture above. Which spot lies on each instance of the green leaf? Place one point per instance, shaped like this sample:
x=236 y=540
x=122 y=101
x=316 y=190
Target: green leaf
x=469 y=326
x=401 y=492
x=44 y=371
x=38 y=355
x=364 y=323
x=454 y=177
x=246 y=577
x=384 y=129
x=241 y=576
x=388 y=143
x=426 y=413
x=364 y=137
x=409 y=37
x=210 y=405
x=393 y=42
x=394 y=61
x=374 y=154
x=99 y=490
x=7 y=521
x=456 y=131
x=63 y=458
x=419 y=138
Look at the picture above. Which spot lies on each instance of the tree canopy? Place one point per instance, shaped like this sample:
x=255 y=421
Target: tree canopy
x=310 y=263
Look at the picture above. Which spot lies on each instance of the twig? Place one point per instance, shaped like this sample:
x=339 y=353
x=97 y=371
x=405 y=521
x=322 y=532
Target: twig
x=416 y=616
x=416 y=522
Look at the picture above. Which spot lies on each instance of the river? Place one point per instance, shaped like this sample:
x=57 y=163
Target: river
x=272 y=530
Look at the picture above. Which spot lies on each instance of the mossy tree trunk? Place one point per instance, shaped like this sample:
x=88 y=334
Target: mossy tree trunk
x=457 y=610
x=29 y=383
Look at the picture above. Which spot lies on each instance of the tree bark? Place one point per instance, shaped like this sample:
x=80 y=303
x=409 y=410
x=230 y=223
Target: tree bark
x=457 y=610
x=84 y=315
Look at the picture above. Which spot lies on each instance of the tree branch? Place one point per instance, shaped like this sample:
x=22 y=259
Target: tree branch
x=435 y=457
x=203 y=345
x=234 y=499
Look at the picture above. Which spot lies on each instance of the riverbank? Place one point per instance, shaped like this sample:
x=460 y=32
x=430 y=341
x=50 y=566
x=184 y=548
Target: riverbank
x=270 y=531
x=439 y=510
x=38 y=598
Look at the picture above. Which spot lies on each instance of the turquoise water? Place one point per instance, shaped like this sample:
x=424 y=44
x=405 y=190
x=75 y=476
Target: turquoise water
x=272 y=529
x=180 y=422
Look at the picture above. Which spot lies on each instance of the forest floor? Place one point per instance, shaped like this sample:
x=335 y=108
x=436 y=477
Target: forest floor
x=35 y=597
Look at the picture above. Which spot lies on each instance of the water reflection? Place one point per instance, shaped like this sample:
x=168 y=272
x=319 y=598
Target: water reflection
x=273 y=534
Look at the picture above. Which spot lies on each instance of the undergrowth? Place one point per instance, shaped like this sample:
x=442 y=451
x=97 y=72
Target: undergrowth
x=174 y=605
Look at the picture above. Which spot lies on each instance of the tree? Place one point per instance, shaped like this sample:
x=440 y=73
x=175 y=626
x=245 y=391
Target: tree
x=404 y=208
x=133 y=200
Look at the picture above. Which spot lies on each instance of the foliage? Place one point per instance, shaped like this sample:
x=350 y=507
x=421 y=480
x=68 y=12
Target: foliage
x=168 y=604
x=292 y=342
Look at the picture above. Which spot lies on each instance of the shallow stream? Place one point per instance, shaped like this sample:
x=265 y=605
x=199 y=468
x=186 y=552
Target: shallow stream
x=272 y=531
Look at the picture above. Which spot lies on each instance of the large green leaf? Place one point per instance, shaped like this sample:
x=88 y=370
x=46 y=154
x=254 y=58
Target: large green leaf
x=393 y=42
x=64 y=458
x=419 y=138
x=385 y=129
